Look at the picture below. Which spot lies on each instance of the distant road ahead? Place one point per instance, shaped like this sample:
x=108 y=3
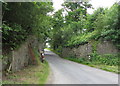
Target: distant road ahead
x=68 y=72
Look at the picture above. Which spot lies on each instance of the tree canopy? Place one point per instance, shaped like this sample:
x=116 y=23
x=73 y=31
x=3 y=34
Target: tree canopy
x=68 y=27
x=78 y=27
x=23 y=19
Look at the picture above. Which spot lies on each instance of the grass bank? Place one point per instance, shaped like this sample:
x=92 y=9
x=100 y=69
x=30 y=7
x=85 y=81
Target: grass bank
x=33 y=74
x=30 y=75
x=100 y=63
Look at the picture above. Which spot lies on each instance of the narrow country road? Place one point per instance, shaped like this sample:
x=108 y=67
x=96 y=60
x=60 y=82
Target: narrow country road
x=67 y=72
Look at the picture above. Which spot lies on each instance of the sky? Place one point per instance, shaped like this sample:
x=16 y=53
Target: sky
x=95 y=4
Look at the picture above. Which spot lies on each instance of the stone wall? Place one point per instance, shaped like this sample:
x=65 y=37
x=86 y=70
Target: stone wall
x=103 y=47
x=106 y=47
x=17 y=59
x=20 y=57
x=67 y=52
x=80 y=51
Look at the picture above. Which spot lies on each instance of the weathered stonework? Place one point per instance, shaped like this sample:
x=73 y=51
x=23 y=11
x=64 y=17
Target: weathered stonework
x=106 y=47
x=21 y=57
x=103 y=47
x=67 y=52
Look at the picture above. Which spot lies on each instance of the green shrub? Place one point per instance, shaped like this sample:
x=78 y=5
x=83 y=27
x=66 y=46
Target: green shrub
x=106 y=62
x=107 y=59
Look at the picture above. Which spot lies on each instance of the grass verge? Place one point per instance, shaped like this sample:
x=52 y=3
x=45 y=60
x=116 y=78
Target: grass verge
x=94 y=64
x=30 y=75
x=33 y=74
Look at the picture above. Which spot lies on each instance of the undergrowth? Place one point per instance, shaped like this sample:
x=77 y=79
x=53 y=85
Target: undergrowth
x=106 y=62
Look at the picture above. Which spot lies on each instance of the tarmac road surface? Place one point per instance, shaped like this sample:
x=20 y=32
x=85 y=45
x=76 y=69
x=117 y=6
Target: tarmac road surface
x=68 y=72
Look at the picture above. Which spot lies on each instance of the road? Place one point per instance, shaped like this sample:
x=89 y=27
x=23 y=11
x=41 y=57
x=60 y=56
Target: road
x=68 y=72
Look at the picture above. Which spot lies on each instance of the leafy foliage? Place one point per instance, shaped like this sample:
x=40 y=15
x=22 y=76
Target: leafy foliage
x=66 y=26
x=23 y=19
x=106 y=59
x=11 y=35
x=106 y=62
x=84 y=38
x=78 y=27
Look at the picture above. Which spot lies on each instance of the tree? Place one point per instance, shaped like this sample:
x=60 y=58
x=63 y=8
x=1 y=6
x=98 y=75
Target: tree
x=23 y=19
x=58 y=23
x=76 y=10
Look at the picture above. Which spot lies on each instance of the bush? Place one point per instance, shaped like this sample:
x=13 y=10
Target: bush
x=13 y=36
x=107 y=59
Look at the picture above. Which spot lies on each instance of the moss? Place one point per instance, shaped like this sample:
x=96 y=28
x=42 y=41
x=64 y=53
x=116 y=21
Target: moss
x=94 y=44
